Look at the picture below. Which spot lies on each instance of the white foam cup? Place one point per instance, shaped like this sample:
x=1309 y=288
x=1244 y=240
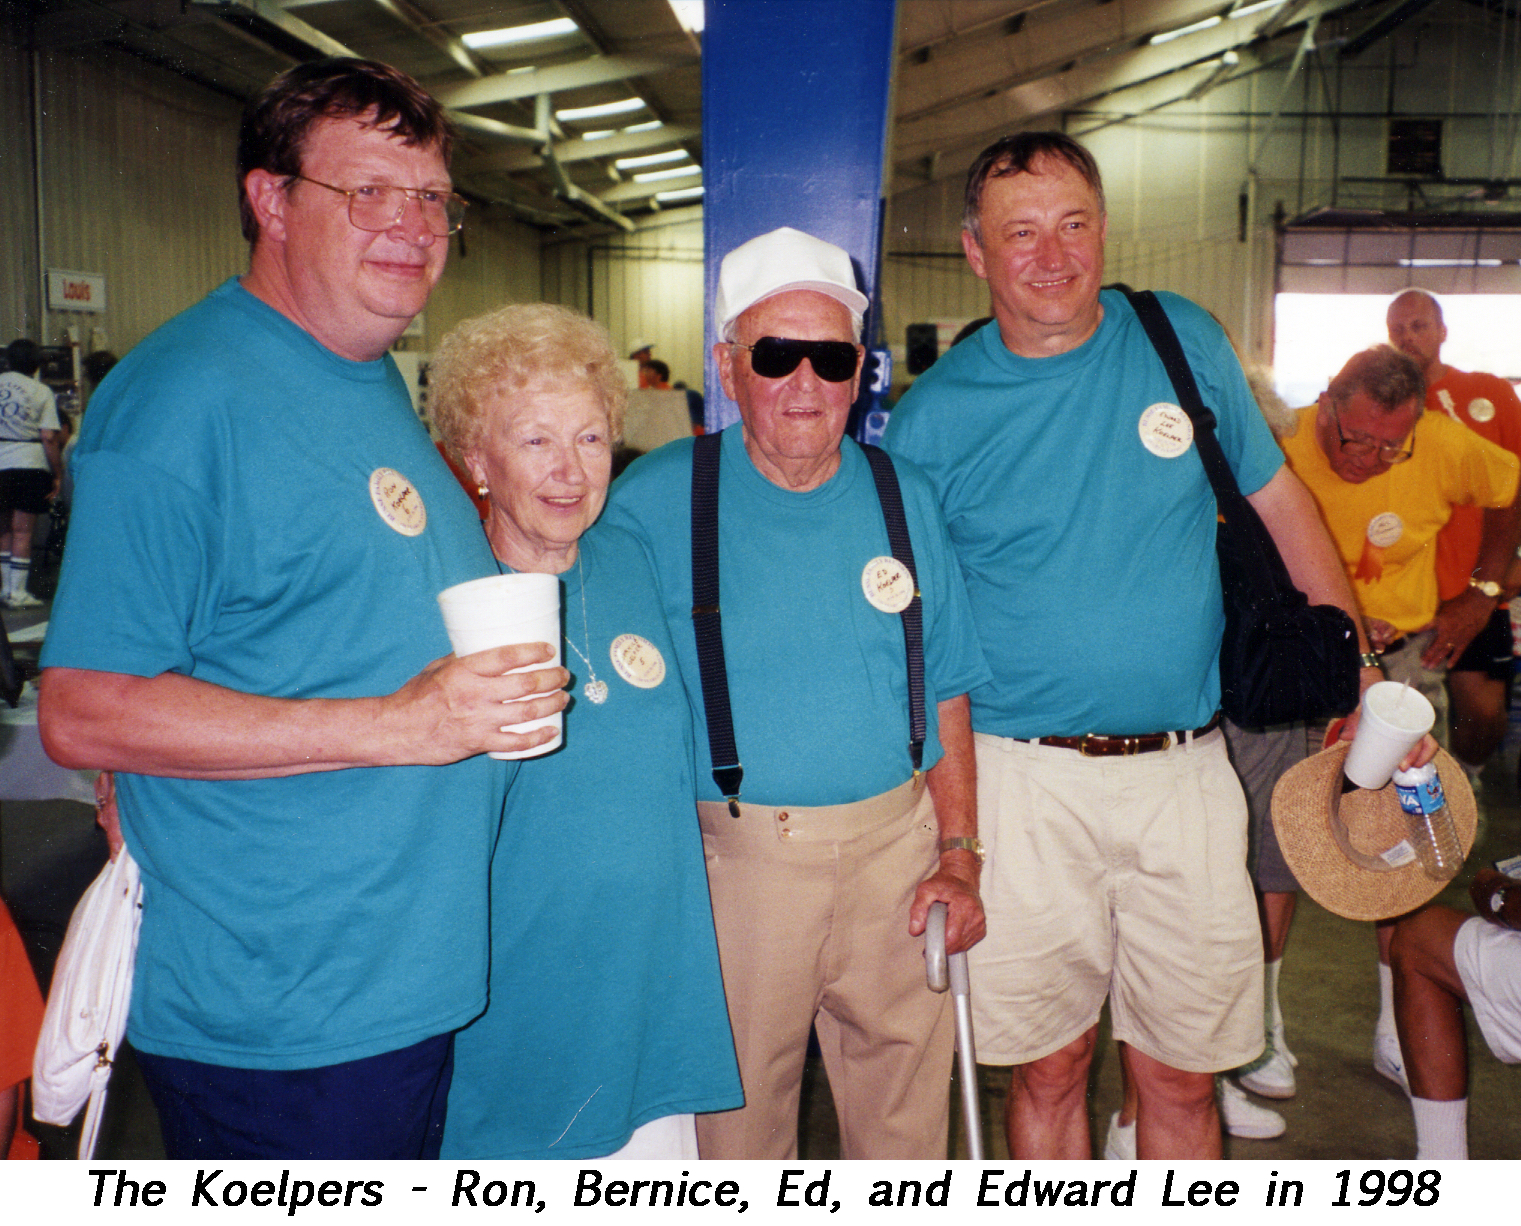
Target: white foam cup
x=500 y=610
x=1394 y=718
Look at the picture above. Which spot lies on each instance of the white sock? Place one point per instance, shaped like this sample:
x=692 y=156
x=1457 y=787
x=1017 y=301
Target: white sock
x=1385 y=1001
x=1270 y=996
x=1441 y=1128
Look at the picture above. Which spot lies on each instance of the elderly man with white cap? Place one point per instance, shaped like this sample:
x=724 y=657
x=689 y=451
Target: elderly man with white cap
x=827 y=647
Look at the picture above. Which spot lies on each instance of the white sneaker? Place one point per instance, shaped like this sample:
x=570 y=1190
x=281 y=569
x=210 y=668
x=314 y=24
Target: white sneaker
x=22 y=600
x=1244 y=1118
x=1271 y=1074
x=1388 y=1060
x=1119 y=1145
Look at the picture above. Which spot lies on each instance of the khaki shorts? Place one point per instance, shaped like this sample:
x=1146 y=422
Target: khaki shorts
x=1118 y=877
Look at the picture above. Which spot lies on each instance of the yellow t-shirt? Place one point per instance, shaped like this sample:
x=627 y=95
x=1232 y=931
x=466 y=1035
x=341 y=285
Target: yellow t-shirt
x=1385 y=528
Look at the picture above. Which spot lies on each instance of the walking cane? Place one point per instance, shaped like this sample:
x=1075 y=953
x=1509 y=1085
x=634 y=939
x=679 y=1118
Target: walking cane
x=951 y=972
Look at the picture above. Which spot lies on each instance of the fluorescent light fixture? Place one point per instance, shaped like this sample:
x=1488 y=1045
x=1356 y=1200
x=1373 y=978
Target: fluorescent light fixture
x=539 y=30
x=1248 y=10
x=1158 y=39
x=648 y=125
x=652 y=159
x=675 y=172
x=599 y=134
x=690 y=14
x=601 y=110
x=1419 y=263
x=680 y=193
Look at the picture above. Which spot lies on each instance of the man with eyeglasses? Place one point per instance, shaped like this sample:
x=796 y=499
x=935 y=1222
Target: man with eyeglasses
x=1472 y=557
x=837 y=803
x=246 y=632
x=1387 y=476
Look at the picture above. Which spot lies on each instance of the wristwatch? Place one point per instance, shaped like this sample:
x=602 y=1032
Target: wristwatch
x=1368 y=660
x=1488 y=586
x=964 y=844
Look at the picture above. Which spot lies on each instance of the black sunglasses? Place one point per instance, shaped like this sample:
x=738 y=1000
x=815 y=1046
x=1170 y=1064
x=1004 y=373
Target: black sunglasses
x=771 y=357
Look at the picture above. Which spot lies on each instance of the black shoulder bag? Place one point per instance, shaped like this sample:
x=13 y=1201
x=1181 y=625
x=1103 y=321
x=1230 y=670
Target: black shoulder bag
x=1282 y=658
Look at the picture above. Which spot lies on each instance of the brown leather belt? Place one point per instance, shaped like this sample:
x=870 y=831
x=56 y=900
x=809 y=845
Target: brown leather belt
x=1095 y=746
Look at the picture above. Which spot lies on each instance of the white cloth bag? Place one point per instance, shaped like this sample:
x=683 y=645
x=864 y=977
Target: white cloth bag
x=87 y=1005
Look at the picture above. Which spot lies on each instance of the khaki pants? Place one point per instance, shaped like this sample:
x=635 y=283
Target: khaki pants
x=811 y=907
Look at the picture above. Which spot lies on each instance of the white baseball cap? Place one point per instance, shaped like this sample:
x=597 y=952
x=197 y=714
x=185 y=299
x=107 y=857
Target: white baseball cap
x=785 y=259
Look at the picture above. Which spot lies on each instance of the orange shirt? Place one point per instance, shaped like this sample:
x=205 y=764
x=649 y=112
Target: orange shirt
x=20 y=1023
x=1487 y=405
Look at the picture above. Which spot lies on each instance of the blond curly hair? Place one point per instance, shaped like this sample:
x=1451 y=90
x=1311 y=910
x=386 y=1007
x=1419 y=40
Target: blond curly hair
x=527 y=343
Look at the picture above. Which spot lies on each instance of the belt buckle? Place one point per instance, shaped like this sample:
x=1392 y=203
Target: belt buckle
x=1090 y=739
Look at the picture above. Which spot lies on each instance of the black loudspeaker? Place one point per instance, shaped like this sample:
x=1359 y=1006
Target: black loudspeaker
x=923 y=347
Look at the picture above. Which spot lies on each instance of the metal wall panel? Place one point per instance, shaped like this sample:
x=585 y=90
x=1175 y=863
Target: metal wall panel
x=647 y=285
x=20 y=286
x=1175 y=175
x=137 y=185
x=497 y=263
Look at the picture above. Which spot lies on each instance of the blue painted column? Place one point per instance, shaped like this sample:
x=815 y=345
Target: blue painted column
x=795 y=100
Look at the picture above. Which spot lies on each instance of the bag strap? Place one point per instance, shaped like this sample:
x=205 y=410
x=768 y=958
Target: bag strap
x=1164 y=340
x=890 y=496
x=707 y=623
x=1254 y=561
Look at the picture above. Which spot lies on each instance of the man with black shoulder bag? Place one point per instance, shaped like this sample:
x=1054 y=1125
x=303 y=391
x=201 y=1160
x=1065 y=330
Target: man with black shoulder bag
x=1086 y=526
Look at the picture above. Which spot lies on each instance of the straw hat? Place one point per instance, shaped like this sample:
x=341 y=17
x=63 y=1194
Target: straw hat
x=1321 y=830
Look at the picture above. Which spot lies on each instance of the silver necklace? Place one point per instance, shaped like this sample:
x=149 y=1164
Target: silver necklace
x=595 y=690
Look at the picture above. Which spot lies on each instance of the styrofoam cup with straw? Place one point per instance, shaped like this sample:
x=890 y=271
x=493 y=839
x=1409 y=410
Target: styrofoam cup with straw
x=503 y=609
x=1394 y=718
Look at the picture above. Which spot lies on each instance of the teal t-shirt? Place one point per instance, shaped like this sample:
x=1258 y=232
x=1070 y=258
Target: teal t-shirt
x=227 y=526
x=817 y=674
x=1089 y=556
x=607 y=1005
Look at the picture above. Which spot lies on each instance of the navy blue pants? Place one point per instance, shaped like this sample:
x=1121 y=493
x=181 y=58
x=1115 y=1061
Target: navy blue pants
x=386 y=1106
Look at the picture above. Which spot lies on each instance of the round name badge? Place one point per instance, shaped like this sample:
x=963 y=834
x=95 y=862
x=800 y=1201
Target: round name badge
x=888 y=585
x=1481 y=409
x=1385 y=529
x=398 y=502
x=1166 y=430
x=638 y=661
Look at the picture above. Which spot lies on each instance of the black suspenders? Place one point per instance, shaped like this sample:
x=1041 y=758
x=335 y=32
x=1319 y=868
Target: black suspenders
x=707 y=625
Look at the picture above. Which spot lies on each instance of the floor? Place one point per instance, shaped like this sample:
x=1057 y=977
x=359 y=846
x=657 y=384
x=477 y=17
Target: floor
x=49 y=851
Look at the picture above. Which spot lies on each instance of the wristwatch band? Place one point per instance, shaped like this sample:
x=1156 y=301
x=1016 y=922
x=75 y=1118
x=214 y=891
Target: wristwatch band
x=963 y=843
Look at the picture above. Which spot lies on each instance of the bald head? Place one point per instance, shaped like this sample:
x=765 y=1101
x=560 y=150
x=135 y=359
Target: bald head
x=1416 y=328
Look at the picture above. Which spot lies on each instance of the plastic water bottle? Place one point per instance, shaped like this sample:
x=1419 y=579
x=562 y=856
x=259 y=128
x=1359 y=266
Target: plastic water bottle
x=1428 y=822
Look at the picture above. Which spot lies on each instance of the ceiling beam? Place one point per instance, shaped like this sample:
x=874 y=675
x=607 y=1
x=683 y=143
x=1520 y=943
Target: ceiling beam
x=286 y=33
x=1010 y=109
x=1039 y=50
x=643 y=191
x=498 y=129
x=1382 y=26
x=431 y=31
x=624 y=143
x=596 y=70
